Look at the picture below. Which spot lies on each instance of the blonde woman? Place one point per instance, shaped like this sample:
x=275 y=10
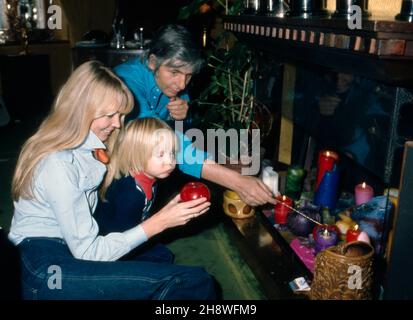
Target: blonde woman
x=55 y=192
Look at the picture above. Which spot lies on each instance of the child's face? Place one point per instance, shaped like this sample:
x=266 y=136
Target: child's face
x=162 y=162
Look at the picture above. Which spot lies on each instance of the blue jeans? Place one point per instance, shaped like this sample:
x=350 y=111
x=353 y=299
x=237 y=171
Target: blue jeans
x=153 y=253
x=49 y=271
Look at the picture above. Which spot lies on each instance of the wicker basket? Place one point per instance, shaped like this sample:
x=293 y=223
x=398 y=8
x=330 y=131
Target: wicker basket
x=344 y=272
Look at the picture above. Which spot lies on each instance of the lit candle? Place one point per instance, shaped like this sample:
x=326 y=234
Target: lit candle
x=326 y=161
x=204 y=38
x=281 y=211
x=353 y=234
x=363 y=193
x=325 y=239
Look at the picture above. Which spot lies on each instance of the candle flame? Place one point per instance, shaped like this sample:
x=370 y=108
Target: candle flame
x=356 y=227
x=328 y=153
x=284 y=198
x=204 y=38
x=325 y=232
x=363 y=185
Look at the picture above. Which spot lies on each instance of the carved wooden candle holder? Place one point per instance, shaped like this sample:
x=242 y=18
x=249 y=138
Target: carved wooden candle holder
x=235 y=207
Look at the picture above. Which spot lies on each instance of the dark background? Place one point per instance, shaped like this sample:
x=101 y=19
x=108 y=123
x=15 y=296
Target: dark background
x=148 y=14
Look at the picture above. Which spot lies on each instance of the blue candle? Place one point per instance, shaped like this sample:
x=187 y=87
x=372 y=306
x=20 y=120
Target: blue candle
x=326 y=194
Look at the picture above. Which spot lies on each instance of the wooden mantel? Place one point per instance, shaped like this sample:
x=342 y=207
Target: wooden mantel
x=382 y=49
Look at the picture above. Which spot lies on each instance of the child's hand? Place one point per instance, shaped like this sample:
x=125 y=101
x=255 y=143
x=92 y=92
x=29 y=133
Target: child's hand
x=177 y=213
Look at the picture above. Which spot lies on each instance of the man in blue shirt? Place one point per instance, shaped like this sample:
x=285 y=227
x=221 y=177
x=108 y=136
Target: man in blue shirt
x=158 y=82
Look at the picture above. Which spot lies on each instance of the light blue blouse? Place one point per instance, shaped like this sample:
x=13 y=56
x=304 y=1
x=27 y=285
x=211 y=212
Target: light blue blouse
x=65 y=197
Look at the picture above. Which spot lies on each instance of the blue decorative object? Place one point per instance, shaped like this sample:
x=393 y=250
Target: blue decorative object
x=326 y=194
x=373 y=218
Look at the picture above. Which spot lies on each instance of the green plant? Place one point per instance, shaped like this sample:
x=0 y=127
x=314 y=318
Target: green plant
x=228 y=99
x=228 y=96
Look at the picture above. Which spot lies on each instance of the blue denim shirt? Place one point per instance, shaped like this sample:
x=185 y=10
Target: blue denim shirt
x=151 y=102
x=65 y=197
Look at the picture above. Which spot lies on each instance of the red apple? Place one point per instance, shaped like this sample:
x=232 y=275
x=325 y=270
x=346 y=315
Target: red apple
x=195 y=190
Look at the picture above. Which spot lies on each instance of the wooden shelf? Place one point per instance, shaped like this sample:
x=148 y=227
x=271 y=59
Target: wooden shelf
x=382 y=49
x=268 y=254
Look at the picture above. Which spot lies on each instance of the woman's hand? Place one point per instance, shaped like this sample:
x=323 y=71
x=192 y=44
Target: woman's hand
x=175 y=213
x=178 y=108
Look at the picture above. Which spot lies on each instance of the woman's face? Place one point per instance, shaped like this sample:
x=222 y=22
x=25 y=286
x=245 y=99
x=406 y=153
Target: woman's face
x=103 y=126
x=171 y=80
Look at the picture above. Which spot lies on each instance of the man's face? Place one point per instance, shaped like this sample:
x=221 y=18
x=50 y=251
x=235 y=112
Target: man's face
x=171 y=80
x=344 y=82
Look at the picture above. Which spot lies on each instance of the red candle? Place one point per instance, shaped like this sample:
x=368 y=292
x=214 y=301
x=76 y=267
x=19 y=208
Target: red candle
x=326 y=160
x=353 y=234
x=363 y=193
x=281 y=211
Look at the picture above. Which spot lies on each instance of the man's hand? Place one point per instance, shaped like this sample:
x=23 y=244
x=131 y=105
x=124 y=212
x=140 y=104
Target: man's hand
x=250 y=189
x=178 y=108
x=328 y=105
x=253 y=191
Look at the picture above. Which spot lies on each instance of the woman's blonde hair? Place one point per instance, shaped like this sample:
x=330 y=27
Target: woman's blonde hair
x=136 y=143
x=86 y=96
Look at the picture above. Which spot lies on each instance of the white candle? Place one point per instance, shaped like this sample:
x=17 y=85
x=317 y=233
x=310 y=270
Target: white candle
x=270 y=178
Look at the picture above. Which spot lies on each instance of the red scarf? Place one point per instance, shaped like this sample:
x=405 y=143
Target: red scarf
x=145 y=183
x=101 y=155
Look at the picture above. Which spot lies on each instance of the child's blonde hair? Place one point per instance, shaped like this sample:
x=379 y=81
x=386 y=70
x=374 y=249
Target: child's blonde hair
x=135 y=145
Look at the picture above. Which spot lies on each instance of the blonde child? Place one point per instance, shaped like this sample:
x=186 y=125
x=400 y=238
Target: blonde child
x=144 y=152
